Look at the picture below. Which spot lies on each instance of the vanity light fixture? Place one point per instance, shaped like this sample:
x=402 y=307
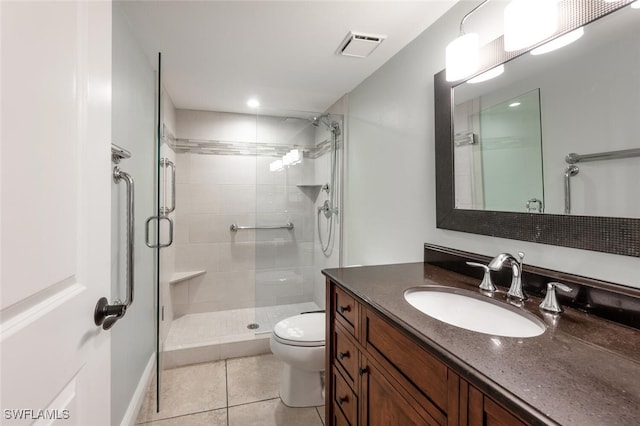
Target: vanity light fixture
x=487 y=75
x=635 y=4
x=275 y=166
x=461 y=55
x=559 y=42
x=289 y=159
x=292 y=157
x=527 y=22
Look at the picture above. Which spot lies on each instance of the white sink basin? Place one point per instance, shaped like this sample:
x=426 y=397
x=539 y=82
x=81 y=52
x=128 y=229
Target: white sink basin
x=474 y=312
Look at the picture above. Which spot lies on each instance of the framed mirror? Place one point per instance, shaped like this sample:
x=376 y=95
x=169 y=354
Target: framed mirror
x=513 y=183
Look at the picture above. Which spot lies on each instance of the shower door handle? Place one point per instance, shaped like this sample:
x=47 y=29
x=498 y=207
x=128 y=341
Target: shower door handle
x=146 y=232
x=165 y=210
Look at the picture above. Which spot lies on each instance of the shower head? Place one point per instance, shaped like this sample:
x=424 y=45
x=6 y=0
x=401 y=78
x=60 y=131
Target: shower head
x=332 y=126
x=316 y=120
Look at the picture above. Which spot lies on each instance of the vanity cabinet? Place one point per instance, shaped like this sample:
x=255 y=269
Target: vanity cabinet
x=377 y=374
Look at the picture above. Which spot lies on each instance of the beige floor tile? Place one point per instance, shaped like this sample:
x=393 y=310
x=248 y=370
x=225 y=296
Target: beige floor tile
x=208 y=418
x=187 y=390
x=253 y=379
x=272 y=413
x=321 y=413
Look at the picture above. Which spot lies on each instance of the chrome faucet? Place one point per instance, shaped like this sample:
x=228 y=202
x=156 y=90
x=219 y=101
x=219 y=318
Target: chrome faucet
x=550 y=302
x=515 y=290
x=486 y=284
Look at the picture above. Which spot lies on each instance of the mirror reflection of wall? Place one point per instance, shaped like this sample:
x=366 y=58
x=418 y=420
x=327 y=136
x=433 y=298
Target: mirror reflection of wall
x=589 y=104
x=501 y=169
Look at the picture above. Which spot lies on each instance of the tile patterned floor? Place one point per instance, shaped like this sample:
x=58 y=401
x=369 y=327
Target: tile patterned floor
x=232 y=392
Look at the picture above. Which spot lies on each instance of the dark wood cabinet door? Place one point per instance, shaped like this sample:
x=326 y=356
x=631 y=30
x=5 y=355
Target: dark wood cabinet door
x=483 y=411
x=383 y=403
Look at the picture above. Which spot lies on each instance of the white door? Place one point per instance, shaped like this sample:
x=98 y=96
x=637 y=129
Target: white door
x=55 y=211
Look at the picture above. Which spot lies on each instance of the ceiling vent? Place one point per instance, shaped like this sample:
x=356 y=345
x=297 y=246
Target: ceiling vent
x=359 y=45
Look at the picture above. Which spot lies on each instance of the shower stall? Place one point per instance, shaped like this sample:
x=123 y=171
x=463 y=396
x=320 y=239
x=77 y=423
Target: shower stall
x=257 y=217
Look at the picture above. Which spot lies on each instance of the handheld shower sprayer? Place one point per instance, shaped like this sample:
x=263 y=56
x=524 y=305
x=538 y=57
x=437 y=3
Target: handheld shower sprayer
x=328 y=209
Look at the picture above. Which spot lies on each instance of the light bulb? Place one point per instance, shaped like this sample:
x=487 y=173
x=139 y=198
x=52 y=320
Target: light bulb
x=487 y=75
x=527 y=22
x=559 y=42
x=462 y=57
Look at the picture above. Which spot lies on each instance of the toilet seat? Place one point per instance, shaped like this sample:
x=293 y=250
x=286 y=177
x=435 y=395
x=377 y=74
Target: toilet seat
x=305 y=330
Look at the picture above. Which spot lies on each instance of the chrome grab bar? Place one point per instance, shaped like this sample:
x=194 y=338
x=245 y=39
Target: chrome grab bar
x=166 y=163
x=574 y=158
x=105 y=314
x=236 y=228
x=572 y=170
x=146 y=232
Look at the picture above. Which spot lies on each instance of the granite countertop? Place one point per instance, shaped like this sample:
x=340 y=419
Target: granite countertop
x=582 y=371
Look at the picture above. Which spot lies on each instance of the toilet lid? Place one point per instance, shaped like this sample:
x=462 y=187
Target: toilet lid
x=301 y=330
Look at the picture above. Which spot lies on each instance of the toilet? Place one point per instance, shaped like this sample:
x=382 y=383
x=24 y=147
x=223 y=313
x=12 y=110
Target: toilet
x=299 y=342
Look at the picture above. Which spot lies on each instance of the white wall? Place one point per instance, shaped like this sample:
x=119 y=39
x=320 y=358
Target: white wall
x=133 y=128
x=390 y=185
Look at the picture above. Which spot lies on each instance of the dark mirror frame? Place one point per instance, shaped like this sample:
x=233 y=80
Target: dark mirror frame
x=604 y=234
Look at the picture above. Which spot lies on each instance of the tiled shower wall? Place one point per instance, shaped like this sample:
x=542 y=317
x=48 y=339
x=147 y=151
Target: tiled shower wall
x=249 y=267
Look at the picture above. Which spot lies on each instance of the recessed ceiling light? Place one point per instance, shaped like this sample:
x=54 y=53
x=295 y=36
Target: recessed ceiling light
x=515 y=104
x=253 y=103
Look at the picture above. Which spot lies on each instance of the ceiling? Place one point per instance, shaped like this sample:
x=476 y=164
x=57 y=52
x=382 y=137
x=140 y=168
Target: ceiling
x=218 y=54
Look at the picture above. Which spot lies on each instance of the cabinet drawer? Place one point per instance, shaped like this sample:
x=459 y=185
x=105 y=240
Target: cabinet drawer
x=418 y=366
x=345 y=353
x=344 y=398
x=345 y=308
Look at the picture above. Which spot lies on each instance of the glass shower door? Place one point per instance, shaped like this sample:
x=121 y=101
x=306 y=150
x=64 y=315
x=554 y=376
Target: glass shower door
x=163 y=228
x=286 y=193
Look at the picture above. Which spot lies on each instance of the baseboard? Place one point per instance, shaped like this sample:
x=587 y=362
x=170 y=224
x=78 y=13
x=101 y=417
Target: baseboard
x=137 y=399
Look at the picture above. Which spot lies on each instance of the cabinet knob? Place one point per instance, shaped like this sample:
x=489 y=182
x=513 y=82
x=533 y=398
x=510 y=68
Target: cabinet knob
x=342 y=399
x=344 y=309
x=362 y=371
x=343 y=355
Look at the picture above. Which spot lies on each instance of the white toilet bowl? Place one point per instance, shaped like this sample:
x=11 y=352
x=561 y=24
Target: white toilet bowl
x=299 y=342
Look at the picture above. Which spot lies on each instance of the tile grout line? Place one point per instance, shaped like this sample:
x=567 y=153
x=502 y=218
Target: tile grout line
x=256 y=401
x=226 y=388
x=177 y=416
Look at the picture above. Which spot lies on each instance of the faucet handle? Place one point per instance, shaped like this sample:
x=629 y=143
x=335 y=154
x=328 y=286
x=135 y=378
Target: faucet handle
x=486 y=284
x=550 y=302
x=520 y=259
